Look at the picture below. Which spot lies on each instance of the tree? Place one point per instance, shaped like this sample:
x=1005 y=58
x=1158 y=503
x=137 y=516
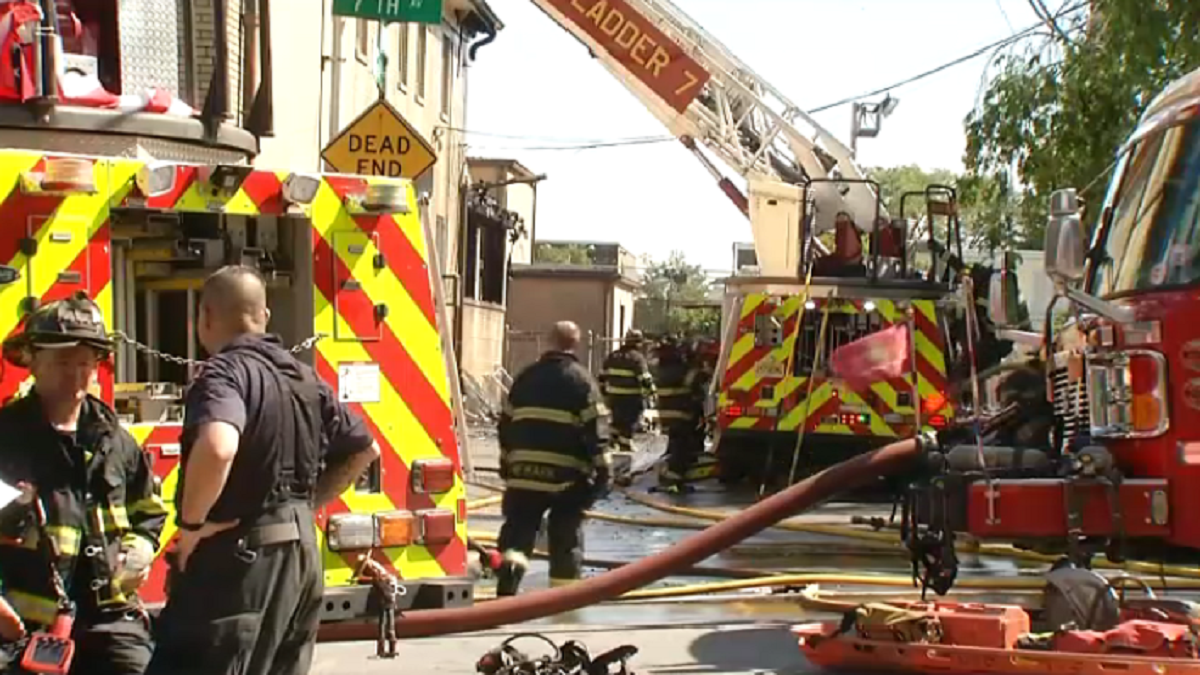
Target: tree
x=1059 y=107
x=984 y=209
x=895 y=182
x=563 y=254
x=666 y=287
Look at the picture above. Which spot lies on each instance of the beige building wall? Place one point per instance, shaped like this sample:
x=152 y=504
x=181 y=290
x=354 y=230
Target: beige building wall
x=320 y=92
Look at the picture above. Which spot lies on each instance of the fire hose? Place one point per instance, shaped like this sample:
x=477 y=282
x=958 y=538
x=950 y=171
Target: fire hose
x=997 y=550
x=849 y=474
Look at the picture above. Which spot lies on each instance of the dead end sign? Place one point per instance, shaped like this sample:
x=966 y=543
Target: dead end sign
x=380 y=143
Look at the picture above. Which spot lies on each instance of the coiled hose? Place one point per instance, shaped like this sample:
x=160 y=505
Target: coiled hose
x=846 y=475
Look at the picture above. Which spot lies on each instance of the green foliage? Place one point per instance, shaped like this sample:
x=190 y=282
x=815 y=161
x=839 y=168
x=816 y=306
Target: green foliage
x=1057 y=111
x=668 y=284
x=563 y=254
x=987 y=213
x=895 y=181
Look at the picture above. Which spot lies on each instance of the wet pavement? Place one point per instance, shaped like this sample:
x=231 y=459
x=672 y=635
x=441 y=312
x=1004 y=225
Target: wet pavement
x=736 y=632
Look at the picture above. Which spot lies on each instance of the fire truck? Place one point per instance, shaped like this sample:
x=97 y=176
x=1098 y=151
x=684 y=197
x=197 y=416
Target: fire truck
x=350 y=275
x=1122 y=377
x=772 y=382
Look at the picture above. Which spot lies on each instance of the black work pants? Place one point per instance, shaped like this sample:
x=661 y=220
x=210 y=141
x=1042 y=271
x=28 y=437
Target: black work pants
x=626 y=411
x=684 y=444
x=246 y=605
x=115 y=643
x=523 y=511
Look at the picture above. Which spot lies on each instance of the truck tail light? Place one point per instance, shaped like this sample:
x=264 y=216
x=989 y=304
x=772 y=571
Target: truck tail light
x=933 y=403
x=396 y=528
x=1127 y=394
x=437 y=526
x=351 y=531
x=432 y=476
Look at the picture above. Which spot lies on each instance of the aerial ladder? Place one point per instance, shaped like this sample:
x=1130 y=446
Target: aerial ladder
x=707 y=97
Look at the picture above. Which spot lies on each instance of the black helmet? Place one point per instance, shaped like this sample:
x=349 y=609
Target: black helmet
x=63 y=323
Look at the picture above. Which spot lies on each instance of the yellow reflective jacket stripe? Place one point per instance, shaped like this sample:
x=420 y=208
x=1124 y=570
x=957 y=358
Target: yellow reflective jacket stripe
x=33 y=608
x=545 y=415
x=545 y=457
x=535 y=486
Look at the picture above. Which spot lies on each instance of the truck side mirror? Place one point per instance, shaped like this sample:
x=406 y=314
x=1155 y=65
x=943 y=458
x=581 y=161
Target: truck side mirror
x=1064 y=246
x=1004 y=298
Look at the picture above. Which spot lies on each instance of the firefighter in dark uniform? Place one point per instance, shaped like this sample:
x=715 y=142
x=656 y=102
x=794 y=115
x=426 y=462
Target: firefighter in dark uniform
x=682 y=385
x=552 y=458
x=628 y=386
x=265 y=442
x=103 y=516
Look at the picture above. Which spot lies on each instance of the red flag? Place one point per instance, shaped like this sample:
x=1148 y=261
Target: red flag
x=879 y=356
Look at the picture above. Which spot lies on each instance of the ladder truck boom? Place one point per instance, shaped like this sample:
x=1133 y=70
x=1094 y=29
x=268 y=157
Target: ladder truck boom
x=706 y=96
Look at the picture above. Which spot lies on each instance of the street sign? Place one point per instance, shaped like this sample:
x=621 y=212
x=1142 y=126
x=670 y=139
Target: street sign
x=387 y=11
x=380 y=143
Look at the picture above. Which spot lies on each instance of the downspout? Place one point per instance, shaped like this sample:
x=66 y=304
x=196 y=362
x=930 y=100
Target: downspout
x=216 y=102
x=487 y=39
x=250 y=72
x=335 y=78
x=459 y=295
x=262 y=113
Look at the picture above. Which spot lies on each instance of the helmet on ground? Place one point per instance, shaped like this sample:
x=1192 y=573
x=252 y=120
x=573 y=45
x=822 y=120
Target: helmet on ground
x=60 y=324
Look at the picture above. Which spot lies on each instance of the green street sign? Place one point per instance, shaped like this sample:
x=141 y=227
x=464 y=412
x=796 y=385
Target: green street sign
x=391 y=11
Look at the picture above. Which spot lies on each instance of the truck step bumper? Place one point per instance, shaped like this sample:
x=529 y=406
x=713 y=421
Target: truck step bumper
x=347 y=603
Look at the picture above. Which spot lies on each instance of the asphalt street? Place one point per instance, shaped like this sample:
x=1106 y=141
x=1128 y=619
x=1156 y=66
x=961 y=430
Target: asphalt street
x=743 y=633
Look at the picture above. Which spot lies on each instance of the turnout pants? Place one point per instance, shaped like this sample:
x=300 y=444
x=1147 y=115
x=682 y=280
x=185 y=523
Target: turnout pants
x=684 y=444
x=111 y=643
x=626 y=411
x=523 y=511
x=248 y=604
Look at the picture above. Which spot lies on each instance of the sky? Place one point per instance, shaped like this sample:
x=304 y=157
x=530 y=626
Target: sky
x=536 y=87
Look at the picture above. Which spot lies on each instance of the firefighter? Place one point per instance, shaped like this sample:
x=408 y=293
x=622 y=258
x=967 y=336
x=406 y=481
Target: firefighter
x=846 y=260
x=628 y=388
x=552 y=458
x=265 y=443
x=682 y=385
x=76 y=465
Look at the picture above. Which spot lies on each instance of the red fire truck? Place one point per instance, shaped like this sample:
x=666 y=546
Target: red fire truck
x=1123 y=375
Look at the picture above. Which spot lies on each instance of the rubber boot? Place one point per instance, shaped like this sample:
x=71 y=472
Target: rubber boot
x=511 y=572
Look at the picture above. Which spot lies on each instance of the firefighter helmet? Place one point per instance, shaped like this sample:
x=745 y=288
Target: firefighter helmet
x=64 y=323
x=634 y=337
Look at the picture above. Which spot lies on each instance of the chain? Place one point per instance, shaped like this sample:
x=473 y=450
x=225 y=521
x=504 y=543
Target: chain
x=120 y=336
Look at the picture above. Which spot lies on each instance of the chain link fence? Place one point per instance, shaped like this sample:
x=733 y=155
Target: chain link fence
x=522 y=348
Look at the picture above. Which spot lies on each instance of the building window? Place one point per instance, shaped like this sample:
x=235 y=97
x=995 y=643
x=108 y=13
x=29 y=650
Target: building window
x=402 y=57
x=493 y=264
x=447 y=73
x=422 y=44
x=363 y=29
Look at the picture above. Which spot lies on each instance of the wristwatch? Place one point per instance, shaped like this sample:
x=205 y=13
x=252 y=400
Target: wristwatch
x=188 y=527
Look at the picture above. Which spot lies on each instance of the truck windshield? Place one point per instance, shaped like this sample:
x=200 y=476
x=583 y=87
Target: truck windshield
x=1154 y=236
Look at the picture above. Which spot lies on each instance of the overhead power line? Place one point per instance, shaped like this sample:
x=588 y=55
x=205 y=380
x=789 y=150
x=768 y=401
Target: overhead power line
x=651 y=140
x=1016 y=37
